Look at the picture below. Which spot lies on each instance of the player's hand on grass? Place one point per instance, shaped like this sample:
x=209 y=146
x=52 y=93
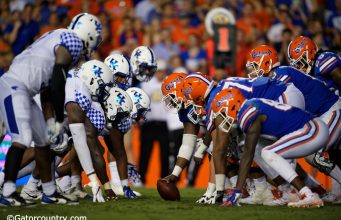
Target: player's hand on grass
x=232 y=200
x=54 y=130
x=129 y=193
x=96 y=192
x=207 y=198
x=110 y=195
x=170 y=178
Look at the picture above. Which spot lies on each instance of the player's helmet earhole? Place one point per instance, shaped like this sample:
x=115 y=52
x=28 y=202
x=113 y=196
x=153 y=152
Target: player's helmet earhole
x=92 y=81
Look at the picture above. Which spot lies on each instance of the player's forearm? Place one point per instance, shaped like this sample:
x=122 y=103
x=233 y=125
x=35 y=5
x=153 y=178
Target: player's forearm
x=46 y=104
x=58 y=90
x=81 y=147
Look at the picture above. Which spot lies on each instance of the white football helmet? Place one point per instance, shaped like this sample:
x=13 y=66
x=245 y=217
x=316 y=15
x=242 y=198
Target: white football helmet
x=97 y=77
x=141 y=103
x=89 y=29
x=118 y=106
x=120 y=66
x=143 y=63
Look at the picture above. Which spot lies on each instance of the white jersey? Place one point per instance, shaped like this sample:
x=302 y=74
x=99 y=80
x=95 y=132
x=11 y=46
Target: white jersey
x=34 y=66
x=77 y=92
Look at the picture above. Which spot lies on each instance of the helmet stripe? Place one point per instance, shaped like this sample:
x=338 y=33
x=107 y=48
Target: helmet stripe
x=200 y=77
x=151 y=52
x=74 y=24
x=289 y=50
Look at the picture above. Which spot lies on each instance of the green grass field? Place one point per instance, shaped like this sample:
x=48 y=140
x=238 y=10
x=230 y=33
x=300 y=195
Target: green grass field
x=151 y=206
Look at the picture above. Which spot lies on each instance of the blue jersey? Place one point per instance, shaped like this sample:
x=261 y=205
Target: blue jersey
x=261 y=87
x=281 y=119
x=324 y=64
x=318 y=98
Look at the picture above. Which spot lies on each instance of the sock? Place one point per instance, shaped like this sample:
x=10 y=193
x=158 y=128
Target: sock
x=2 y=178
x=305 y=190
x=75 y=181
x=310 y=181
x=234 y=181
x=220 y=182
x=28 y=169
x=285 y=187
x=260 y=182
x=115 y=177
x=12 y=165
x=124 y=182
x=9 y=188
x=210 y=189
x=336 y=174
x=228 y=183
x=33 y=182
x=49 y=188
x=64 y=183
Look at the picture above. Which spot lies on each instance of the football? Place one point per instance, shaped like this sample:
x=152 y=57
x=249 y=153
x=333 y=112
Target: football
x=168 y=191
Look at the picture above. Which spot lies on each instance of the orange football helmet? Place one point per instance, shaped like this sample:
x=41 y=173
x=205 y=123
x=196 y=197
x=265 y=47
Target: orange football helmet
x=226 y=104
x=261 y=60
x=171 y=91
x=196 y=88
x=301 y=53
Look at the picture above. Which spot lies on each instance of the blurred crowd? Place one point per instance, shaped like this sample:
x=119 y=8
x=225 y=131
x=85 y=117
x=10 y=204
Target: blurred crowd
x=174 y=29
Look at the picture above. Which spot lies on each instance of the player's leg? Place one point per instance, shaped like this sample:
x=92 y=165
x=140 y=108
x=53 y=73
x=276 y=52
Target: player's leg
x=304 y=141
x=15 y=109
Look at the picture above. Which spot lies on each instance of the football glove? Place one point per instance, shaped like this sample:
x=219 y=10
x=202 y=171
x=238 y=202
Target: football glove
x=232 y=199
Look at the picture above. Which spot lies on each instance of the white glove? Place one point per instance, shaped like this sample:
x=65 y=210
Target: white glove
x=207 y=198
x=62 y=145
x=96 y=192
x=200 y=150
x=54 y=130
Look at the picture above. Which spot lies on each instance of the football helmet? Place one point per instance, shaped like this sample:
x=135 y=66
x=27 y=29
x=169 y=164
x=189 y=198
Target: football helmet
x=261 y=60
x=226 y=104
x=196 y=88
x=301 y=53
x=171 y=91
x=141 y=103
x=118 y=106
x=89 y=29
x=120 y=66
x=143 y=63
x=97 y=77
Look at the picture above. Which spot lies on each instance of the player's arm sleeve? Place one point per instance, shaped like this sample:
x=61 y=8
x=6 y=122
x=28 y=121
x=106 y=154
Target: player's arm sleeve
x=328 y=63
x=336 y=75
x=60 y=69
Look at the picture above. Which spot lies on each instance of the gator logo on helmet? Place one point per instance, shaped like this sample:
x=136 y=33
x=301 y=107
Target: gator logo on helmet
x=261 y=53
x=300 y=46
x=173 y=83
x=220 y=102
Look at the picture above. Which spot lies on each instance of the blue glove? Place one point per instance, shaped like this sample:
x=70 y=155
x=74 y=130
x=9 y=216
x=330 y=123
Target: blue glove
x=128 y=193
x=232 y=200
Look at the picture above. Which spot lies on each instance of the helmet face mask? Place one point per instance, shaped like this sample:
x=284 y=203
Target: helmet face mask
x=302 y=63
x=253 y=70
x=195 y=114
x=227 y=121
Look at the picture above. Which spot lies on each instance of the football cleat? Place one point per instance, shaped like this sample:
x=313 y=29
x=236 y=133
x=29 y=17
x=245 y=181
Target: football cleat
x=281 y=198
x=15 y=200
x=307 y=201
x=207 y=198
x=30 y=194
x=79 y=193
x=128 y=193
x=329 y=197
x=57 y=198
x=261 y=195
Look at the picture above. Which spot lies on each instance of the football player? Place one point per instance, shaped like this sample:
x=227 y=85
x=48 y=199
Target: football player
x=298 y=134
x=319 y=100
x=42 y=67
